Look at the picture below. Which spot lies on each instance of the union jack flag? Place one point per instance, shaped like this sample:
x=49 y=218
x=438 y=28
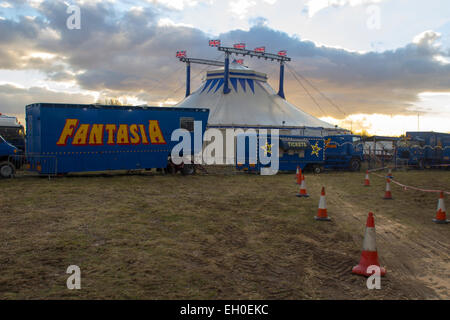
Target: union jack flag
x=260 y=49
x=239 y=46
x=181 y=54
x=282 y=53
x=214 y=43
x=240 y=61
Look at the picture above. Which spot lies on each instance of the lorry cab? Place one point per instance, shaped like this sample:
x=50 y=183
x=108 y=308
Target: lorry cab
x=12 y=131
x=343 y=152
x=8 y=154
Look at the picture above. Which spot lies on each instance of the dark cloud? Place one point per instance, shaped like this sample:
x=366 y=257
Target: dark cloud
x=128 y=53
x=13 y=99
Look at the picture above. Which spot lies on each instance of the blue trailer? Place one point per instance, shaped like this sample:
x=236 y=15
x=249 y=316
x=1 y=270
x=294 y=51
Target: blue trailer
x=302 y=151
x=64 y=138
x=315 y=153
x=424 y=149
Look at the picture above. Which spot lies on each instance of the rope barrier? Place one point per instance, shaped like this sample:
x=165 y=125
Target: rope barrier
x=405 y=187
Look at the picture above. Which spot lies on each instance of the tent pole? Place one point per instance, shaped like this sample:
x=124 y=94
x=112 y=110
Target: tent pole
x=226 y=89
x=188 y=79
x=281 y=84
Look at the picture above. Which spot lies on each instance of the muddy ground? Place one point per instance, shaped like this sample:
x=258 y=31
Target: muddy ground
x=218 y=236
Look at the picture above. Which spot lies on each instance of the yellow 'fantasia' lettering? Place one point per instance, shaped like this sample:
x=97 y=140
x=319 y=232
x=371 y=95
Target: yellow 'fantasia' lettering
x=117 y=134
x=81 y=136
x=111 y=128
x=67 y=131
x=96 y=135
x=134 y=136
x=156 y=136
x=122 y=134
x=143 y=134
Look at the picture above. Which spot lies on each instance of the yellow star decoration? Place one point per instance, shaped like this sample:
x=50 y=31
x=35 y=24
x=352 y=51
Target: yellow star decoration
x=267 y=148
x=316 y=149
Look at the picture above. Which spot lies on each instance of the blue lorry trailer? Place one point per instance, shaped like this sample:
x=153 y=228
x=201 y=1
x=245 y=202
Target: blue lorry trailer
x=424 y=149
x=64 y=138
x=293 y=151
x=315 y=153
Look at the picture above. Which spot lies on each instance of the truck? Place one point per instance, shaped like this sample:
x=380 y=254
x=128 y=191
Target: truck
x=67 y=138
x=424 y=149
x=12 y=131
x=344 y=152
x=312 y=153
x=8 y=154
x=302 y=151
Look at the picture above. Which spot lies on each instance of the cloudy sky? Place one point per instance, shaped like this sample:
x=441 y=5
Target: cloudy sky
x=384 y=64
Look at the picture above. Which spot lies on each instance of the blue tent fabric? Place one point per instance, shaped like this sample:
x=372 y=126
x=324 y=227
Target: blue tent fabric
x=214 y=82
x=251 y=84
x=234 y=83
x=242 y=81
x=208 y=82
x=221 y=82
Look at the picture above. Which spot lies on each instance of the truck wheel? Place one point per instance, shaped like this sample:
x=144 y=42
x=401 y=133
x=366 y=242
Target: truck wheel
x=317 y=169
x=188 y=169
x=7 y=169
x=355 y=165
x=170 y=169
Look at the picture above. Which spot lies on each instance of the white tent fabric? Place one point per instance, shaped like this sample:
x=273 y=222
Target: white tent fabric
x=252 y=102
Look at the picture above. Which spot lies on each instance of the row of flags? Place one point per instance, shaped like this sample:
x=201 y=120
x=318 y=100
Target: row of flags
x=216 y=43
x=181 y=54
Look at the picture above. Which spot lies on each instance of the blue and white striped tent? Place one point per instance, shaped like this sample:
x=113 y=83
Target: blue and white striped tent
x=252 y=103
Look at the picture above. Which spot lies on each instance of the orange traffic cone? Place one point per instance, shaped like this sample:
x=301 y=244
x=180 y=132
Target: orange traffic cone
x=303 y=192
x=389 y=175
x=367 y=180
x=299 y=175
x=322 y=214
x=369 y=255
x=440 y=214
x=388 y=195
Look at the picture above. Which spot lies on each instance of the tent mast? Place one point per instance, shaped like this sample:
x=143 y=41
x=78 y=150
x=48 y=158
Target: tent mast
x=226 y=89
x=188 y=62
x=238 y=49
x=188 y=79
x=281 y=84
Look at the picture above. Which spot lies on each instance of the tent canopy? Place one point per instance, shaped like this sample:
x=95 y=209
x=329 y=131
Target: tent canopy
x=252 y=102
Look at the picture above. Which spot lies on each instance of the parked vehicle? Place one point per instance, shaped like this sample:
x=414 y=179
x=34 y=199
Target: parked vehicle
x=8 y=154
x=424 y=149
x=12 y=131
x=64 y=138
x=344 y=152
x=311 y=153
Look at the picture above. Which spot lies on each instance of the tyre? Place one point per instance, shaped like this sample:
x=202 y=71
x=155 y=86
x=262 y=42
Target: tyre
x=355 y=165
x=7 y=169
x=188 y=169
x=317 y=169
x=170 y=169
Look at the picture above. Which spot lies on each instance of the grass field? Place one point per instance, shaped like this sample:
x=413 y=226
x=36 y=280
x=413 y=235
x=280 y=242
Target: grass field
x=218 y=237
